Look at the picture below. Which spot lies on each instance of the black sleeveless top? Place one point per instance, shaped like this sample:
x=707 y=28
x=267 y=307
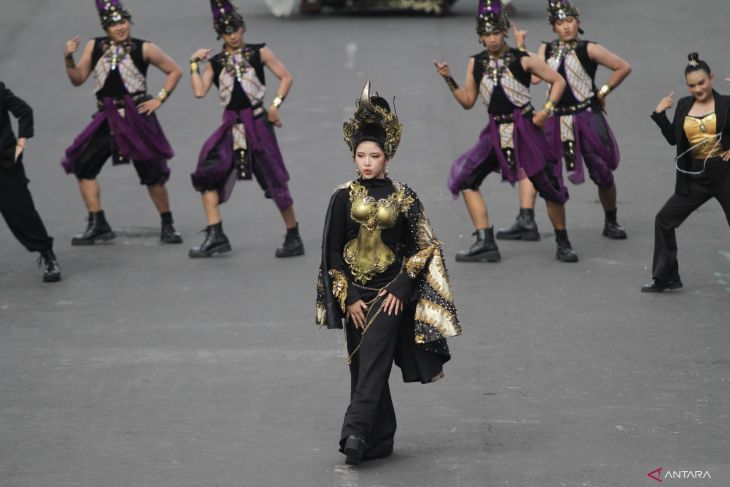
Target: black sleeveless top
x=581 y=50
x=114 y=86
x=499 y=104
x=239 y=99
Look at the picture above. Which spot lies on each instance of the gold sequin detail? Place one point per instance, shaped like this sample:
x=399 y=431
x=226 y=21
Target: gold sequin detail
x=339 y=287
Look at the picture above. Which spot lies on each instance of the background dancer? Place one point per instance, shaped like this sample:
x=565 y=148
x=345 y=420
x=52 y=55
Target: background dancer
x=512 y=142
x=579 y=129
x=245 y=145
x=380 y=265
x=701 y=133
x=125 y=127
x=16 y=202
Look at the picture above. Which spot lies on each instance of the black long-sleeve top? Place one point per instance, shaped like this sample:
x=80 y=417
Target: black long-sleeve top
x=343 y=229
x=9 y=103
x=674 y=133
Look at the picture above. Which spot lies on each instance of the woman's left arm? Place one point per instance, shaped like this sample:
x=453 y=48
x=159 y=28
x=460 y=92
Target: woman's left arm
x=285 y=82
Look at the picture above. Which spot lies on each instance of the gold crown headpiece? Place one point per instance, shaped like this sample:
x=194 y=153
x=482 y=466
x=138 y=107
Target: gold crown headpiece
x=369 y=113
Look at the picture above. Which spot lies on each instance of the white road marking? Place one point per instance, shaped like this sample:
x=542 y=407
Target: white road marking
x=351 y=50
x=345 y=476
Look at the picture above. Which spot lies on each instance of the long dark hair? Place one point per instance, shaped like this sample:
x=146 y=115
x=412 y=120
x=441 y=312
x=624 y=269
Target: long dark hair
x=696 y=64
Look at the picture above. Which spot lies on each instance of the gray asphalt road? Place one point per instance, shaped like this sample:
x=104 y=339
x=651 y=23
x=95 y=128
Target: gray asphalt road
x=144 y=368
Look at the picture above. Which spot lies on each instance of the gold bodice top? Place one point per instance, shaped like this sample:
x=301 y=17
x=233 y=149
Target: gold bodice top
x=367 y=254
x=701 y=132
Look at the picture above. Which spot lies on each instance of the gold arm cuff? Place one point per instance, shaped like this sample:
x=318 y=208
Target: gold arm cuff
x=605 y=90
x=549 y=107
x=163 y=95
x=70 y=63
x=276 y=102
x=194 y=67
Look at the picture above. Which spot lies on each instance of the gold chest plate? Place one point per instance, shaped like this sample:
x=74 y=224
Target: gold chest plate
x=367 y=254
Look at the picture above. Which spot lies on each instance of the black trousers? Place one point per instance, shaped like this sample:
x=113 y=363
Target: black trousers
x=16 y=206
x=715 y=183
x=371 y=415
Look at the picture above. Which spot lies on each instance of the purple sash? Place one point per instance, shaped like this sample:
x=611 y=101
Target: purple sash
x=601 y=149
x=531 y=152
x=264 y=150
x=138 y=137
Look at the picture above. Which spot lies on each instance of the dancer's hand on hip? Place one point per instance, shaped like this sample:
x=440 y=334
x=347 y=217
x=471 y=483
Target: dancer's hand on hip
x=274 y=116
x=149 y=107
x=539 y=118
x=19 y=148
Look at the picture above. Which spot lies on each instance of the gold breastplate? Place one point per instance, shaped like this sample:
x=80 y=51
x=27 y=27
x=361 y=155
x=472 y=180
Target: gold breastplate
x=367 y=254
x=701 y=132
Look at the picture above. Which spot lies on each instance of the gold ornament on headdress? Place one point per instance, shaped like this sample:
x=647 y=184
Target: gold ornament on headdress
x=368 y=113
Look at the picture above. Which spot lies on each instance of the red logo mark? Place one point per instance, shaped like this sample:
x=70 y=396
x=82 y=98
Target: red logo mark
x=656 y=475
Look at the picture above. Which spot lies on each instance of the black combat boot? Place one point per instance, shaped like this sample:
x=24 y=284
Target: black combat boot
x=565 y=252
x=215 y=242
x=168 y=234
x=611 y=228
x=483 y=250
x=96 y=230
x=51 y=269
x=293 y=245
x=659 y=286
x=524 y=227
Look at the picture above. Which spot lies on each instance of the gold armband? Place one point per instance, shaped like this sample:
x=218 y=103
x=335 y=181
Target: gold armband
x=276 y=102
x=522 y=48
x=194 y=67
x=605 y=90
x=70 y=63
x=163 y=95
x=549 y=107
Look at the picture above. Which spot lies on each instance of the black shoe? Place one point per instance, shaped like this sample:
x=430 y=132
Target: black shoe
x=51 y=271
x=657 y=286
x=169 y=235
x=565 y=252
x=354 y=450
x=97 y=230
x=293 y=245
x=614 y=231
x=215 y=242
x=524 y=227
x=483 y=250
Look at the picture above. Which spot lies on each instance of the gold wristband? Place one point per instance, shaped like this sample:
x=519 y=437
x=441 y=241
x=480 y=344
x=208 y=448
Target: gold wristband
x=549 y=107
x=522 y=48
x=276 y=102
x=70 y=63
x=605 y=90
x=163 y=95
x=194 y=67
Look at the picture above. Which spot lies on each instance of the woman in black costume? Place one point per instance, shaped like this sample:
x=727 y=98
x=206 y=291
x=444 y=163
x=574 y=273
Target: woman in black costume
x=702 y=136
x=383 y=272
